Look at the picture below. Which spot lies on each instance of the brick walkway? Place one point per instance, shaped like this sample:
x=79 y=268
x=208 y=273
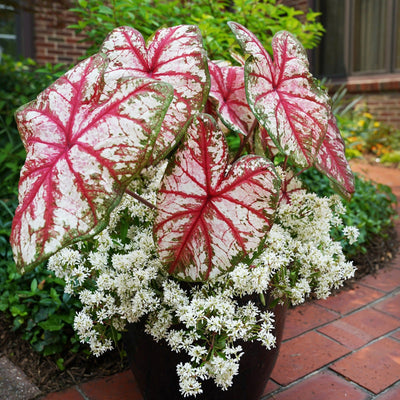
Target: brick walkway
x=345 y=347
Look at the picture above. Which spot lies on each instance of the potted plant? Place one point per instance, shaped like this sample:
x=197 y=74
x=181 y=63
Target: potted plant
x=166 y=190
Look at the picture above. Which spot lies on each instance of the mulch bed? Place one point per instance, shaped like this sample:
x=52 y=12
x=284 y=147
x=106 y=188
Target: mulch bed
x=45 y=374
x=379 y=255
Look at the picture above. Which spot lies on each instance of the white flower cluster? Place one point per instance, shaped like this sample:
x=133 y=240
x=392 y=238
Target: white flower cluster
x=119 y=279
x=302 y=235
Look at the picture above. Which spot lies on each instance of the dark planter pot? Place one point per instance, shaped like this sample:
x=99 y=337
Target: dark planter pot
x=154 y=367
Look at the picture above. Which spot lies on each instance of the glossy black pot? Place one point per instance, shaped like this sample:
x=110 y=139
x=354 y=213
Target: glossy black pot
x=154 y=367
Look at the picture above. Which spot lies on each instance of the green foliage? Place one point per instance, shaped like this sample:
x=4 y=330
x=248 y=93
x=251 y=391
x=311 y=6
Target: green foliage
x=265 y=17
x=371 y=208
x=392 y=158
x=39 y=308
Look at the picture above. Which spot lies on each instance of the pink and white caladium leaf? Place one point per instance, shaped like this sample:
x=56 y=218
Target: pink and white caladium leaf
x=331 y=161
x=267 y=144
x=84 y=146
x=290 y=185
x=229 y=96
x=283 y=95
x=211 y=214
x=173 y=55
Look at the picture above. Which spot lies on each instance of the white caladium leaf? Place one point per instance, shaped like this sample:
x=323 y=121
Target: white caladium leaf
x=211 y=214
x=84 y=146
x=283 y=95
x=332 y=162
x=174 y=55
x=229 y=95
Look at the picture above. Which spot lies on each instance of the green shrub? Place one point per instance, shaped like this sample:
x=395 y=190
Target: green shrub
x=40 y=309
x=391 y=158
x=371 y=209
x=265 y=17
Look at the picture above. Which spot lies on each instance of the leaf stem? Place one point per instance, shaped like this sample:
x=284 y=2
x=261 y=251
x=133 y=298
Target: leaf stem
x=246 y=139
x=301 y=171
x=140 y=198
x=285 y=163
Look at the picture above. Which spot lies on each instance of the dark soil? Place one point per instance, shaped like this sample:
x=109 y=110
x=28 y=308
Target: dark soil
x=45 y=374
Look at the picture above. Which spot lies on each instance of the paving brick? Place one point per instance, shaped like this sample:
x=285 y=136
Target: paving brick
x=69 y=394
x=350 y=300
x=375 y=367
x=396 y=334
x=360 y=328
x=304 y=318
x=304 y=354
x=271 y=387
x=390 y=306
x=386 y=279
x=122 y=386
x=392 y=393
x=324 y=385
x=14 y=384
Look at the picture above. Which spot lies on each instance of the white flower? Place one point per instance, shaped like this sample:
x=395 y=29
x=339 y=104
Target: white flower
x=188 y=379
x=197 y=353
x=222 y=370
x=351 y=233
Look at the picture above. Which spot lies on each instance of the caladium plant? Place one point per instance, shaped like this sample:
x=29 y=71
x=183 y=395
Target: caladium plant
x=92 y=132
x=129 y=152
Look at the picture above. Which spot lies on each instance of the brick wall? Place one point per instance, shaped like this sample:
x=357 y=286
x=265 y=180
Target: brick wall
x=302 y=5
x=53 y=41
x=385 y=107
x=381 y=95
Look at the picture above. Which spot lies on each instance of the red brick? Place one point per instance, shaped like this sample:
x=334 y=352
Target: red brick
x=396 y=335
x=391 y=394
x=122 y=386
x=375 y=367
x=304 y=318
x=360 y=328
x=390 y=306
x=386 y=279
x=69 y=394
x=324 y=385
x=350 y=300
x=304 y=354
x=270 y=387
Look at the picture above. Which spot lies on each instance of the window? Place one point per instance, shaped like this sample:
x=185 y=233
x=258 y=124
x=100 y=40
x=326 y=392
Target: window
x=362 y=37
x=16 y=32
